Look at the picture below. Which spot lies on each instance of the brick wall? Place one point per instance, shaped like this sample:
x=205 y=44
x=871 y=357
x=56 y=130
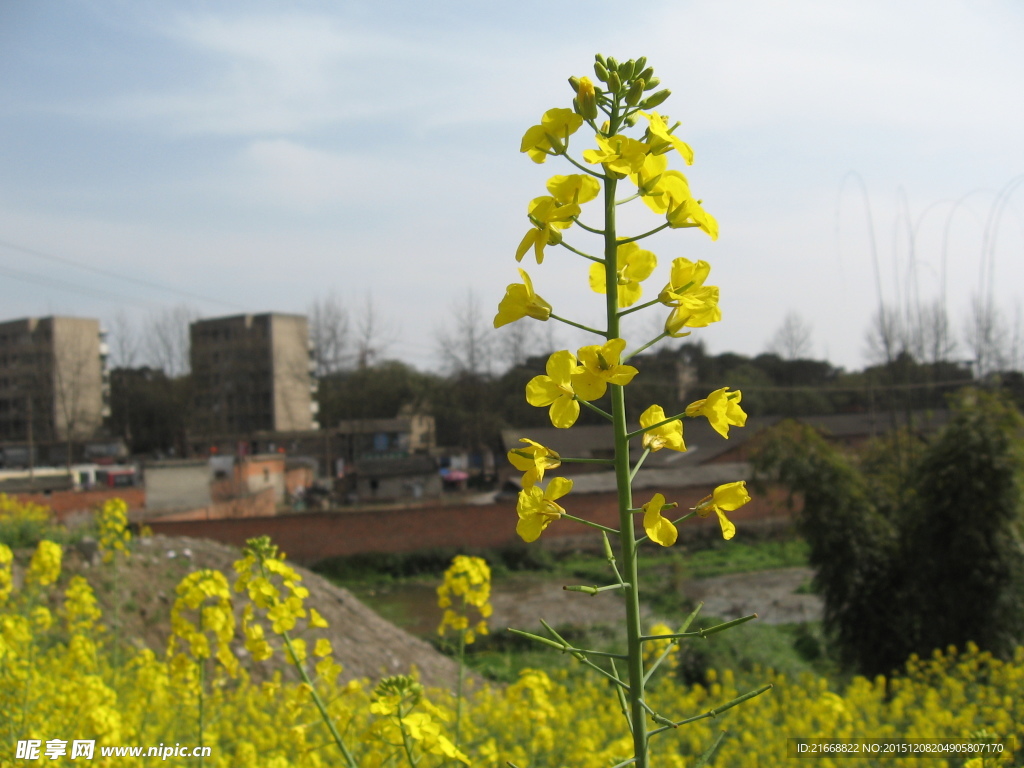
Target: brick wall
x=66 y=504
x=261 y=504
x=310 y=537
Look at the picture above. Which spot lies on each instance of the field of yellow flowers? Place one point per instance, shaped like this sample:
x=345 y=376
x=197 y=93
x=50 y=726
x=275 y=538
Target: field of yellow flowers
x=61 y=678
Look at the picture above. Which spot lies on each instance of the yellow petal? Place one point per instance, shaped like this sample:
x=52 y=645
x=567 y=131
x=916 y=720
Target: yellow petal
x=564 y=412
x=660 y=529
x=541 y=391
x=557 y=488
x=731 y=495
x=728 y=529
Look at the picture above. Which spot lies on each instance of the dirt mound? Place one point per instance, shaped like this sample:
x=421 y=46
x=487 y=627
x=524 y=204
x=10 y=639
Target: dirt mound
x=136 y=600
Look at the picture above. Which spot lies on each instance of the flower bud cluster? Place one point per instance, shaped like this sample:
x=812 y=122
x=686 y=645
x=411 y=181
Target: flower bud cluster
x=629 y=79
x=468 y=580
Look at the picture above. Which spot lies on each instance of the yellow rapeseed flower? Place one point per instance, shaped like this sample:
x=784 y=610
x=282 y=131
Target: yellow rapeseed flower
x=601 y=366
x=659 y=130
x=659 y=528
x=533 y=460
x=548 y=217
x=725 y=498
x=560 y=388
x=668 y=435
x=520 y=301
x=722 y=409
x=576 y=188
x=633 y=265
x=619 y=154
x=550 y=137
x=537 y=509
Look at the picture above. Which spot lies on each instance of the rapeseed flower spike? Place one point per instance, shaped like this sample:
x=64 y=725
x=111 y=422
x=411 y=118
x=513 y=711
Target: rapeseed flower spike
x=114 y=535
x=469 y=579
x=44 y=568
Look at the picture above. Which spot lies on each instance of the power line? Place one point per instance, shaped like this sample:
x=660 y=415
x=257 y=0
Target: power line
x=60 y=285
x=115 y=275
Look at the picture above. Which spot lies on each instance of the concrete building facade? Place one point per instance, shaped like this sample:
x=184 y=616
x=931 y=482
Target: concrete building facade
x=54 y=384
x=252 y=373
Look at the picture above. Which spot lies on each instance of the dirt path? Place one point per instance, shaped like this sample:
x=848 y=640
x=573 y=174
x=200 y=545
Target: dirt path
x=772 y=595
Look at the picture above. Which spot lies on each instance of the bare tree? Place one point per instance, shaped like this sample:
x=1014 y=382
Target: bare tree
x=331 y=334
x=884 y=336
x=937 y=343
x=467 y=346
x=986 y=338
x=373 y=336
x=516 y=342
x=792 y=341
x=125 y=344
x=166 y=342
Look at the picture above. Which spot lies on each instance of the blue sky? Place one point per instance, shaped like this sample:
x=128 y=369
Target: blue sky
x=256 y=156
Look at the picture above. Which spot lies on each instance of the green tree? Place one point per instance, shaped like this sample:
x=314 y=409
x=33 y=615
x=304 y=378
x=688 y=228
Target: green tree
x=853 y=547
x=961 y=538
x=909 y=560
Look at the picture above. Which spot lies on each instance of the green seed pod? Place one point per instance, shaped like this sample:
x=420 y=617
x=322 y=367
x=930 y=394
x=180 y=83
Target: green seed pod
x=574 y=83
x=656 y=99
x=601 y=72
x=638 y=66
x=652 y=83
x=636 y=90
x=647 y=74
x=614 y=84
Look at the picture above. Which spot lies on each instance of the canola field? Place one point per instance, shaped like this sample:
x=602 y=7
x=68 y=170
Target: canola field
x=64 y=678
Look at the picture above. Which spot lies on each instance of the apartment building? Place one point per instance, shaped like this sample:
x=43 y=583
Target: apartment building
x=252 y=373
x=54 y=384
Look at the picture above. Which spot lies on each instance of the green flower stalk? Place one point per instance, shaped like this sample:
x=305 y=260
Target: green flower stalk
x=573 y=381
